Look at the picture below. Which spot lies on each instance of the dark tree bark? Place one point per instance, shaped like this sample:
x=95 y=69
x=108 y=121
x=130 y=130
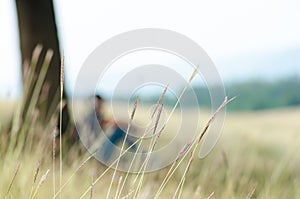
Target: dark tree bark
x=36 y=20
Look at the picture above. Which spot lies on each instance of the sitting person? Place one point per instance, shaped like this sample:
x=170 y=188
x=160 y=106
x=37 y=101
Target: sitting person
x=117 y=135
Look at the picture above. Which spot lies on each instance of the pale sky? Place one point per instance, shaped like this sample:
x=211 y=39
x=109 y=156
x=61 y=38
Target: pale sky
x=224 y=29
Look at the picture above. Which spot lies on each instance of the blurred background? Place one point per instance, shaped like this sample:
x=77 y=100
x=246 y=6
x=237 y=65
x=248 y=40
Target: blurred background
x=255 y=46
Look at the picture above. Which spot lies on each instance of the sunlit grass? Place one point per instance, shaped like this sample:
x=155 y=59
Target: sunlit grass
x=256 y=152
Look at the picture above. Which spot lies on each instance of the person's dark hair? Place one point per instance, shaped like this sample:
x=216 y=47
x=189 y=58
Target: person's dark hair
x=99 y=97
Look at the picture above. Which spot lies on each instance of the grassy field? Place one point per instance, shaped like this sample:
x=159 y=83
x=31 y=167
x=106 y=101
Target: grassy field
x=256 y=157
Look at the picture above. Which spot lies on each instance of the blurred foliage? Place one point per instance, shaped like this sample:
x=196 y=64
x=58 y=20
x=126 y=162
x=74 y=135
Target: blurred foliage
x=252 y=95
x=259 y=94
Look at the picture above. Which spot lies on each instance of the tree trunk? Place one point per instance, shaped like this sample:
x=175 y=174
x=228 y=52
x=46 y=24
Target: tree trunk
x=37 y=25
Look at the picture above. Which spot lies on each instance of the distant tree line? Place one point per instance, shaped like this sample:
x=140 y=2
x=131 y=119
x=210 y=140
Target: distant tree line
x=252 y=95
x=258 y=94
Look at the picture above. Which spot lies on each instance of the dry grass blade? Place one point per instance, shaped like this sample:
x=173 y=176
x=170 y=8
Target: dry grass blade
x=127 y=196
x=193 y=74
x=36 y=172
x=181 y=95
x=123 y=145
x=60 y=120
x=225 y=102
x=92 y=189
x=159 y=101
x=181 y=189
x=181 y=183
x=29 y=75
x=119 y=186
x=73 y=174
x=40 y=81
x=134 y=109
x=42 y=180
x=12 y=180
x=35 y=177
x=195 y=144
x=35 y=88
x=250 y=194
x=53 y=159
x=184 y=149
x=132 y=162
x=151 y=148
x=108 y=168
x=182 y=152
x=211 y=195
x=155 y=127
x=145 y=133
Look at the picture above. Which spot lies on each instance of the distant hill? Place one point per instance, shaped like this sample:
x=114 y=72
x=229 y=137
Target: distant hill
x=258 y=94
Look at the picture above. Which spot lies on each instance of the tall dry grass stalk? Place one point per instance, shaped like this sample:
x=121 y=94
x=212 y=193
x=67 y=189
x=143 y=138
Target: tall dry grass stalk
x=54 y=134
x=250 y=194
x=157 y=110
x=92 y=189
x=193 y=147
x=139 y=146
x=34 y=178
x=60 y=122
x=12 y=180
x=123 y=145
x=74 y=173
x=151 y=147
x=41 y=182
x=25 y=110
